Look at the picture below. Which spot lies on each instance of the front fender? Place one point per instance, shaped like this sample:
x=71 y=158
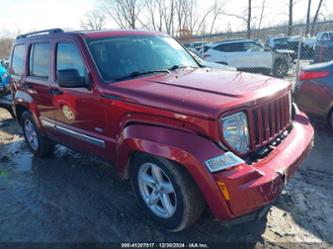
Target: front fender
x=187 y=149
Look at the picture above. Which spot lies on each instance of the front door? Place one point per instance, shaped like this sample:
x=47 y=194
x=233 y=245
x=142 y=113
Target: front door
x=80 y=113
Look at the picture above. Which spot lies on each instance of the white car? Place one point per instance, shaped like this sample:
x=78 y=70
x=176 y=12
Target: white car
x=249 y=55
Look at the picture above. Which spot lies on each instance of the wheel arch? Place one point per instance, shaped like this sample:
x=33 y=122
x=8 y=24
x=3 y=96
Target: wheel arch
x=19 y=110
x=182 y=148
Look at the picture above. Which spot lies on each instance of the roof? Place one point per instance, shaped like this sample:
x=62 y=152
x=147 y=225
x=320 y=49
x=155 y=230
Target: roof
x=119 y=32
x=87 y=34
x=229 y=41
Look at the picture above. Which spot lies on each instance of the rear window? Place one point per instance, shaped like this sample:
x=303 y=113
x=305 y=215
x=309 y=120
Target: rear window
x=39 y=63
x=18 y=59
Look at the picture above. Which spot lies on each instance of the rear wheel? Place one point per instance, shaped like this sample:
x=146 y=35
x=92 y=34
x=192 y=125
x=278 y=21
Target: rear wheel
x=37 y=142
x=280 y=69
x=166 y=191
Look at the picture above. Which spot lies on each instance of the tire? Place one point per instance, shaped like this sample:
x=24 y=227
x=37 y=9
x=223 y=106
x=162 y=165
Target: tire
x=37 y=142
x=186 y=203
x=280 y=69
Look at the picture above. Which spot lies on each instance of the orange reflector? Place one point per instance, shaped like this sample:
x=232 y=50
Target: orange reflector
x=224 y=190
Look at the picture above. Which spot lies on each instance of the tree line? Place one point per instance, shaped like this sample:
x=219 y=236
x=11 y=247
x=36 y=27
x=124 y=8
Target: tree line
x=184 y=18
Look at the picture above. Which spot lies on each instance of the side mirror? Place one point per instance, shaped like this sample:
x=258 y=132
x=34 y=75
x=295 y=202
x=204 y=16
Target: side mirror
x=267 y=49
x=70 y=78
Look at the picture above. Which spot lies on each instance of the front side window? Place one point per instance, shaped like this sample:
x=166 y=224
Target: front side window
x=69 y=57
x=39 y=63
x=18 y=59
x=117 y=57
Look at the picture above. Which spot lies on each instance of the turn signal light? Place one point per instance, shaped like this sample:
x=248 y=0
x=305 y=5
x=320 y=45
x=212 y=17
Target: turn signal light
x=224 y=190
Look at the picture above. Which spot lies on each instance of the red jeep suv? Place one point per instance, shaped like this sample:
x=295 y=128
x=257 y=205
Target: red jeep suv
x=186 y=136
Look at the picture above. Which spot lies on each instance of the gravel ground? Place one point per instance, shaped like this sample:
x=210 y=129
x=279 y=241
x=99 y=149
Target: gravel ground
x=72 y=197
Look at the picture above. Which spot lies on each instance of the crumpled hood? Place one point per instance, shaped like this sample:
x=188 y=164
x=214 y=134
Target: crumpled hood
x=200 y=92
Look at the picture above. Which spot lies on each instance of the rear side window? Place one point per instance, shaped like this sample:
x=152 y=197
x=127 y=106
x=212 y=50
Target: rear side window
x=231 y=47
x=18 y=59
x=69 y=57
x=253 y=47
x=39 y=63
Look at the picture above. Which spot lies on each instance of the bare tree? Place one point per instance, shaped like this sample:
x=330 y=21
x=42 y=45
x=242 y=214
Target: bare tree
x=155 y=15
x=315 y=18
x=291 y=16
x=246 y=17
x=308 y=13
x=94 y=20
x=249 y=18
x=263 y=6
x=124 y=12
x=5 y=46
x=218 y=9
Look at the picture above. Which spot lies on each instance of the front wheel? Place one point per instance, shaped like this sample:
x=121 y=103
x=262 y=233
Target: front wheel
x=280 y=69
x=166 y=191
x=37 y=142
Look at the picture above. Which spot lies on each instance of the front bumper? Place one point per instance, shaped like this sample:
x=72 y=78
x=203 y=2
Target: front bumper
x=252 y=187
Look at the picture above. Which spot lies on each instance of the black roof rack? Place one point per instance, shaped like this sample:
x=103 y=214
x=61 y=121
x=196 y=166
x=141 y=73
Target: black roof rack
x=41 y=32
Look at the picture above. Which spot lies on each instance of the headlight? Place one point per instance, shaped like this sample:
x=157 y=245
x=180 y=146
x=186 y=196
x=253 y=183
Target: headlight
x=236 y=132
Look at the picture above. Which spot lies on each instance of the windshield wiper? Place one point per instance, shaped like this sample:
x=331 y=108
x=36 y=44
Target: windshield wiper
x=136 y=74
x=174 y=67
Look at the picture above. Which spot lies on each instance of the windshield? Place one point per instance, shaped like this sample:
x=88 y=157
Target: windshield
x=118 y=57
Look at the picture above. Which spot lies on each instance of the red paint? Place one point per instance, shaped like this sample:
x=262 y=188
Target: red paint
x=176 y=116
x=309 y=75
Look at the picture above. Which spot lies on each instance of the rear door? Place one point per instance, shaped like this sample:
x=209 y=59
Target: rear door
x=37 y=83
x=257 y=57
x=232 y=54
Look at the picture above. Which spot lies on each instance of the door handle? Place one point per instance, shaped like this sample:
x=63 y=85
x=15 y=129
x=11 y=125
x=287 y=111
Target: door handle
x=56 y=92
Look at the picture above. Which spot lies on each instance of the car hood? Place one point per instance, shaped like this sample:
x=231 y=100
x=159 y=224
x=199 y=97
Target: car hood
x=200 y=92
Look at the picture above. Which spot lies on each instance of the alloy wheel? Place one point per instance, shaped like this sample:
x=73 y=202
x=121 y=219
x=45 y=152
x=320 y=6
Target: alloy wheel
x=281 y=69
x=31 y=134
x=157 y=190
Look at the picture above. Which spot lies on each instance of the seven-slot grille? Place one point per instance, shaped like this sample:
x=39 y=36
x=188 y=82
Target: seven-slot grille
x=269 y=120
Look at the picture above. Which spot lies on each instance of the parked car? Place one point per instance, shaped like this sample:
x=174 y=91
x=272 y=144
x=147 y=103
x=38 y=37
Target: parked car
x=323 y=48
x=183 y=135
x=292 y=43
x=214 y=65
x=196 y=46
x=5 y=96
x=250 y=56
x=314 y=91
x=4 y=77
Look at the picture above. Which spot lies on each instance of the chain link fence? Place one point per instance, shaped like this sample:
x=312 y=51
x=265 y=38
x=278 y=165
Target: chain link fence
x=279 y=52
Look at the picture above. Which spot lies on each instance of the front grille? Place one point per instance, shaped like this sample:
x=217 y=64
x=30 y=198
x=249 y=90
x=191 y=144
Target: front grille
x=268 y=121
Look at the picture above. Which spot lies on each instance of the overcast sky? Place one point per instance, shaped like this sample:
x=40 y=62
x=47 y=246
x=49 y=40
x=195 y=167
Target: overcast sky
x=17 y=16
